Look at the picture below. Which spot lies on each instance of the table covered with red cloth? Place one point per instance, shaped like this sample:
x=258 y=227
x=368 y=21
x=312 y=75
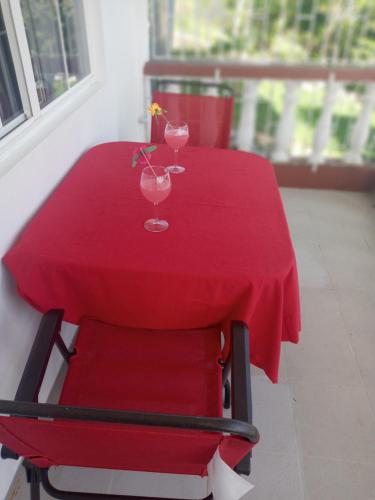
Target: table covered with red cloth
x=226 y=255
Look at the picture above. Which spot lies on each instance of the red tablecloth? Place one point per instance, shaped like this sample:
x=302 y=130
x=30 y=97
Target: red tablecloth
x=226 y=255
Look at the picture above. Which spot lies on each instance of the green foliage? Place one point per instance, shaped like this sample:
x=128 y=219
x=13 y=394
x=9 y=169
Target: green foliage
x=329 y=31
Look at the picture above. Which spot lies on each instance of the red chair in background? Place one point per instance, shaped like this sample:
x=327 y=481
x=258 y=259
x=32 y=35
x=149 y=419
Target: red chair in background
x=209 y=117
x=132 y=399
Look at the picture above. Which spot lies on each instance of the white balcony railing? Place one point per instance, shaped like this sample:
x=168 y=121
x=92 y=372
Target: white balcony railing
x=302 y=72
x=270 y=108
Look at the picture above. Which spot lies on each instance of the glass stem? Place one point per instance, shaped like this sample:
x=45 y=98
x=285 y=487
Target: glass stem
x=156 y=215
x=175 y=157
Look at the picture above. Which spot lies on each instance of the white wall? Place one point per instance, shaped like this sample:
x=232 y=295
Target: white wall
x=110 y=114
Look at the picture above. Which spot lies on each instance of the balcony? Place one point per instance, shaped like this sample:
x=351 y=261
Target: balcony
x=311 y=113
x=302 y=78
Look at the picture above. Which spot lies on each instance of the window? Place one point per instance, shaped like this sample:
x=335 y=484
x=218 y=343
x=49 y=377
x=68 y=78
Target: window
x=10 y=99
x=50 y=44
x=57 y=42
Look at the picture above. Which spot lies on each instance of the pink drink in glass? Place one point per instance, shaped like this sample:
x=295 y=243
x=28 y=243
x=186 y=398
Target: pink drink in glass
x=155 y=186
x=176 y=135
x=176 y=138
x=155 y=189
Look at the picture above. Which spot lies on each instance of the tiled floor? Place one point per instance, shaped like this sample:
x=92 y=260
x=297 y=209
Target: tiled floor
x=318 y=424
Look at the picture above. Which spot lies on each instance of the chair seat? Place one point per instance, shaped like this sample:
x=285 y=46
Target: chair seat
x=174 y=372
x=143 y=370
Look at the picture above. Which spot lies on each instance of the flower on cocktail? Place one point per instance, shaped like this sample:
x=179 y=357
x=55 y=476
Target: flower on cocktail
x=141 y=155
x=156 y=110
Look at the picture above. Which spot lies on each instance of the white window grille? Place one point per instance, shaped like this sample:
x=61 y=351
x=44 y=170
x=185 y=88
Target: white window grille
x=43 y=54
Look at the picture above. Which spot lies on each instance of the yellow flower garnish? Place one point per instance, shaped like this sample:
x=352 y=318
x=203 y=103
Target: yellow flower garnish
x=155 y=109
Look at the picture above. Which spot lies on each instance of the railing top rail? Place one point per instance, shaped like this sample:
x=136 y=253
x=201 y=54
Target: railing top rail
x=213 y=69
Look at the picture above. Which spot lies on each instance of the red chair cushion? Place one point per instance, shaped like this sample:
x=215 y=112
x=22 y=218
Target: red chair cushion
x=209 y=118
x=144 y=370
x=122 y=368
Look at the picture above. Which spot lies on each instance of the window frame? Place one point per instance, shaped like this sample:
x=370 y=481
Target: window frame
x=29 y=128
x=5 y=7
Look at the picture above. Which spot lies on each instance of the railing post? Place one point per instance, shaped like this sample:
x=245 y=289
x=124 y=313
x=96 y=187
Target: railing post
x=174 y=88
x=361 y=128
x=246 y=127
x=285 y=127
x=213 y=91
x=323 y=127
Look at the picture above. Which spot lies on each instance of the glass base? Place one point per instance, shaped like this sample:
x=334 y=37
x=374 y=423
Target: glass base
x=156 y=225
x=175 y=169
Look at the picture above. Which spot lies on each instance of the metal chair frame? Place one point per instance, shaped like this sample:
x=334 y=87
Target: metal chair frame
x=26 y=405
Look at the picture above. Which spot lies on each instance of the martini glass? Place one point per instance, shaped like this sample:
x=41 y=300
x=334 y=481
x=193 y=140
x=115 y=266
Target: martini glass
x=176 y=135
x=155 y=186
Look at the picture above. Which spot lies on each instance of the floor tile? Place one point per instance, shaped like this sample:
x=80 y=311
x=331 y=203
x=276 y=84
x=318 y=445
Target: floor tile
x=83 y=479
x=163 y=485
x=338 y=480
x=345 y=211
x=371 y=395
x=364 y=348
x=334 y=421
x=294 y=199
x=272 y=415
x=350 y=266
x=369 y=237
x=338 y=206
x=275 y=477
x=320 y=310
x=323 y=356
x=300 y=224
x=357 y=307
x=311 y=269
x=332 y=230
x=329 y=215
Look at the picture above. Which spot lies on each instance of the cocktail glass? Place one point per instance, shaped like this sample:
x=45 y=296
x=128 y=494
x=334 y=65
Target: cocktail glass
x=176 y=135
x=155 y=186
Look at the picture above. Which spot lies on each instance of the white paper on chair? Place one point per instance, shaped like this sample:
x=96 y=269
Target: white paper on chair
x=223 y=482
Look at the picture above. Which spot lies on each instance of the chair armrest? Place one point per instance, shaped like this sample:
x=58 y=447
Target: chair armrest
x=240 y=373
x=208 y=424
x=241 y=382
x=48 y=333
